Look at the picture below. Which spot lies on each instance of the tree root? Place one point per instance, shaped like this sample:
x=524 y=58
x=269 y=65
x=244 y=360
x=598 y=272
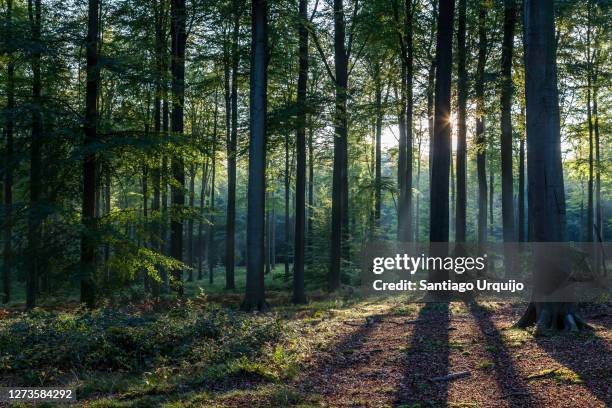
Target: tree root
x=552 y=317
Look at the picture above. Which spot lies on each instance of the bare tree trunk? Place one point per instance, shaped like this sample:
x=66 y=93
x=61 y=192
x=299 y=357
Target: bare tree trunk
x=287 y=191
x=506 y=122
x=462 y=95
x=340 y=178
x=254 y=295
x=34 y=219
x=546 y=190
x=300 y=176
x=89 y=162
x=7 y=260
x=179 y=37
x=481 y=145
x=230 y=244
x=190 y=257
x=212 y=249
x=442 y=129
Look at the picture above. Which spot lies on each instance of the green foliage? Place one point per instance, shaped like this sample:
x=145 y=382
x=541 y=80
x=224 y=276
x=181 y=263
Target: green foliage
x=42 y=346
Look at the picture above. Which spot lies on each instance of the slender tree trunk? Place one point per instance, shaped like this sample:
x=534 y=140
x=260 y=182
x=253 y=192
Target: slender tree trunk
x=407 y=230
x=481 y=145
x=462 y=95
x=178 y=34
x=34 y=219
x=491 y=195
x=521 y=194
x=230 y=245
x=164 y=189
x=340 y=178
x=598 y=208
x=89 y=162
x=254 y=295
x=378 y=149
x=190 y=255
x=310 y=187
x=287 y=191
x=589 y=224
x=417 y=213
x=506 y=122
x=157 y=242
x=212 y=248
x=300 y=175
x=9 y=161
x=201 y=242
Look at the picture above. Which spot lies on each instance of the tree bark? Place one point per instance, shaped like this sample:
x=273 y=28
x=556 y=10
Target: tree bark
x=462 y=95
x=442 y=127
x=287 y=191
x=230 y=244
x=254 y=295
x=190 y=254
x=34 y=219
x=340 y=181
x=546 y=204
x=89 y=162
x=7 y=263
x=481 y=145
x=300 y=175
x=212 y=249
x=506 y=122
x=178 y=35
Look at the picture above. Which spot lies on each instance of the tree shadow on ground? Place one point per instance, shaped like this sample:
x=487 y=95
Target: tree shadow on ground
x=587 y=355
x=513 y=388
x=427 y=357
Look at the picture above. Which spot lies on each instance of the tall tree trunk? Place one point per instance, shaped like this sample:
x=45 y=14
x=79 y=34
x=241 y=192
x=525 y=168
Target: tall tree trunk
x=254 y=295
x=34 y=219
x=521 y=194
x=201 y=252
x=462 y=95
x=340 y=178
x=506 y=122
x=310 y=187
x=547 y=221
x=417 y=213
x=407 y=230
x=287 y=191
x=164 y=188
x=481 y=145
x=190 y=257
x=442 y=129
x=589 y=224
x=7 y=261
x=212 y=249
x=178 y=34
x=156 y=241
x=598 y=208
x=230 y=244
x=300 y=175
x=378 y=148
x=89 y=162
x=491 y=195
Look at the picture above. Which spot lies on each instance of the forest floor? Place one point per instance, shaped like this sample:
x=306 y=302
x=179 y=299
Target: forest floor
x=366 y=353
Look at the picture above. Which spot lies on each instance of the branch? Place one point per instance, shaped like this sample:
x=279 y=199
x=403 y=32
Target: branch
x=322 y=54
x=314 y=10
x=352 y=31
x=358 y=55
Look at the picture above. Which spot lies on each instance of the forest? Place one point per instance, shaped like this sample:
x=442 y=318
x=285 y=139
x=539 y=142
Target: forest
x=189 y=189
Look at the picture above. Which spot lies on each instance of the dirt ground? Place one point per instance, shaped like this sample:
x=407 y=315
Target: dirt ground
x=404 y=359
